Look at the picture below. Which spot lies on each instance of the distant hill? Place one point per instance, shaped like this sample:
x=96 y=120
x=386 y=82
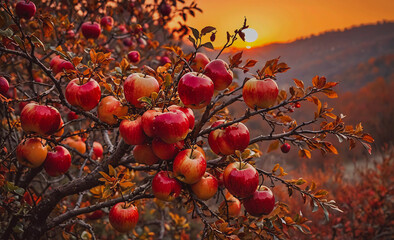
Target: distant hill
x=334 y=54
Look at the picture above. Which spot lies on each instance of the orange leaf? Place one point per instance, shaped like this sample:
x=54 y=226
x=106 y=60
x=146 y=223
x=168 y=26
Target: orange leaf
x=315 y=81
x=299 y=83
x=273 y=146
x=330 y=93
x=368 y=138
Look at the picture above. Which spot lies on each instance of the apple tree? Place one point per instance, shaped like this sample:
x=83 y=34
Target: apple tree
x=110 y=128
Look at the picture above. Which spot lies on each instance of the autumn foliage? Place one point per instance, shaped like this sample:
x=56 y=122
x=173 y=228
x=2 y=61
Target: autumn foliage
x=99 y=142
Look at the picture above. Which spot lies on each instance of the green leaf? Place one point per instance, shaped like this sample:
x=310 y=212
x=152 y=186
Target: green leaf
x=37 y=42
x=195 y=32
x=6 y=33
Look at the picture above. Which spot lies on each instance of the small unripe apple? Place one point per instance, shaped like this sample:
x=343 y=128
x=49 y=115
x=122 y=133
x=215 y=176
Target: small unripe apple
x=165 y=187
x=134 y=56
x=70 y=34
x=58 y=161
x=4 y=86
x=91 y=30
x=123 y=217
x=25 y=9
x=107 y=23
x=95 y=215
x=72 y=116
x=31 y=152
x=285 y=148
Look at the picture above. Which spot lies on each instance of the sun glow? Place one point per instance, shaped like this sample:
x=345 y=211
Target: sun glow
x=250 y=35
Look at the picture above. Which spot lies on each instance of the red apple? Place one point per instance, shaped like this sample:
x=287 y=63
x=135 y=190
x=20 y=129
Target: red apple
x=41 y=119
x=25 y=9
x=164 y=60
x=164 y=8
x=72 y=116
x=189 y=166
x=4 y=86
x=108 y=108
x=241 y=179
x=206 y=187
x=95 y=215
x=164 y=150
x=219 y=72
x=227 y=141
x=144 y=154
x=199 y=62
x=195 y=90
x=187 y=111
x=91 y=30
x=58 y=161
x=147 y=121
x=123 y=216
x=58 y=65
x=31 y=152
x=171 y=127
x=60 y=131
x=70 y=34
x=285 y=148
x=85 y=96
x=260 y=93
x=232 y=207
x=138 y=85
x=165 y=187
x=107 y=23
x=261 y=202
x=128 y=42
x=97 y=151
x=132 y=131
x=134 y=56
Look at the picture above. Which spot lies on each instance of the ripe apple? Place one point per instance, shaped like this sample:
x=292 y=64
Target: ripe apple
x=72 y=116
x=107 y=23
x=206 y=187
x=70 y=34
x=187 y=111
x=233 y=206
x=165 y=187
x=60 y=131
x=227 y=141
x=134 y=56
x=164 y=60
x=164 y=9
x=195 y=90
x=85 y=96
x=147 y=121
x=132 y=131
x=261 y=202
x=138 y=85
x=189 y=166
x=4 y=86
x=285 y=148
x=58 y=65
x=171 y=127
x=91 y=30
x=97 y=151
x=58 y=161
x=260 y=93
x=199 y=62
x=241 y=179
x=166 y=151
x=144 y=154
x=95 y=215
x=31 y=152
x=110 y=107
x=25 y=9
x=123 y=217
x=76 y=143
x=219 y=72
x=41 y=119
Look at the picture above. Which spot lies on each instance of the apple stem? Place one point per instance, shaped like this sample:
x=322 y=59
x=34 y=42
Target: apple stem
x=191 y=152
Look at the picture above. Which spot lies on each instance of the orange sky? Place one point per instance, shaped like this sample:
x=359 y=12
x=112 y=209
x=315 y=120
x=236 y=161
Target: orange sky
x=286 y=20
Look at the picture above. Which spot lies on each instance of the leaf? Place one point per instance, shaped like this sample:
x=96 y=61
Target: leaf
x=111 y=171
x=276 y=167
x=304 y=153
x=108 y=178
x=299 y=83
x=195 y=32
x=250 y=63
x=368 y=138
x=191 y=39
x=321 y=193
x=315 y=81
x=330 y=93
x=47 y=27
x=235 y=60
x=273 y=146
x=242 y=35
x=330 y=147
x=208 y=45
x=37 y=42
x=207 y=30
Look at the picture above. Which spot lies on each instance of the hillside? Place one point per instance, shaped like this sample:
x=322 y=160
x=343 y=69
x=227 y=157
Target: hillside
x=334 y=54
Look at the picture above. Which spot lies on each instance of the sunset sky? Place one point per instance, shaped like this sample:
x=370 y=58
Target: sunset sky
x=286 y=20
